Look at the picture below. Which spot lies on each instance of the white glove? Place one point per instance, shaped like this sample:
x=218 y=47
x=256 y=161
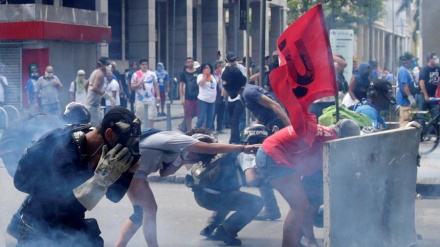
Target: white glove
x=110 y=167
x=412 y=101
x=109 y=97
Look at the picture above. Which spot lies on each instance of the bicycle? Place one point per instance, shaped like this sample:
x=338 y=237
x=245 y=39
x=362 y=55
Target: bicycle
x=430 y=136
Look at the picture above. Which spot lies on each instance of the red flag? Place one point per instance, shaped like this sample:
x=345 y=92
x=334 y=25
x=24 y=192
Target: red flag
x=306 y=71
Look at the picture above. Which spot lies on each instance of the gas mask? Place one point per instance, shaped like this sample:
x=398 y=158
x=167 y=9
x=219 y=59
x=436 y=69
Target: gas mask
x=129 y=135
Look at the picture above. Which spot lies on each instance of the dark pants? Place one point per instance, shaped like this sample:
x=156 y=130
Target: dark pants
x=268 y=195
x=220 y=113
x=33 y=233
x=245 y=205
x=235 y=111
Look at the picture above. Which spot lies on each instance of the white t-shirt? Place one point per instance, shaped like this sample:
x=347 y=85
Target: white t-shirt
x=208 y=91
x=79 y=97
x=145 y=92
x=109 y=88
x=2 y=90
x=162 y=147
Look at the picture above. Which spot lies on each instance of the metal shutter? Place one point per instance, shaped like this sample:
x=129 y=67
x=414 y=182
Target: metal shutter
x=10 y=56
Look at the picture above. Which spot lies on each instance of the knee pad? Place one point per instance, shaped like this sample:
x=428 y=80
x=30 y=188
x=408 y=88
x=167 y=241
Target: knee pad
x=136 y=217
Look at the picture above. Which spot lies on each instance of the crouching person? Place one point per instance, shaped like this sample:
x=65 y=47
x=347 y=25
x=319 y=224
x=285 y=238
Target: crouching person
x=216 y=181
x=67 y=172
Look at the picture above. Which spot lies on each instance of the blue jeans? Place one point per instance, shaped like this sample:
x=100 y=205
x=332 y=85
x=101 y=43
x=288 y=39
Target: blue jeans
x=206 y=111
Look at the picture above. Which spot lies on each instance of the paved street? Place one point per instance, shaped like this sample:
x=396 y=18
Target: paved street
x=180 y=219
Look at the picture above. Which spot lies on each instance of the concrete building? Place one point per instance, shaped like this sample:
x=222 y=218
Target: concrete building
x=70 y=35
x=391 y=37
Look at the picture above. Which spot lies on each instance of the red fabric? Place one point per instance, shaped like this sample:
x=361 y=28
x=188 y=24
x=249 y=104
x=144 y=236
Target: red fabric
x=287 y=149
x=306 y=71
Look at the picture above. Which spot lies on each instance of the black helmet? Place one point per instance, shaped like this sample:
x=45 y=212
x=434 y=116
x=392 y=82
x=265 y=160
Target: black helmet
x=76 y=113
x=254 y=134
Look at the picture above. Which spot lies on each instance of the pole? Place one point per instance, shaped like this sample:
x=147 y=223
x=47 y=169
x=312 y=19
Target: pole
x=370 y=45
x=248 y=62
x=262 y=40
x=173 y=48
x=393 y=52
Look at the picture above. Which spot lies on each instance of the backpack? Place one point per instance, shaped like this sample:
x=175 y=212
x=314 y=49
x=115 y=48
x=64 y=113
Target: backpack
x=204 y=173
x=328 y=116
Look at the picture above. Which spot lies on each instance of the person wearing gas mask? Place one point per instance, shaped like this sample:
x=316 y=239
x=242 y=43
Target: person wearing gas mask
x=48 y=87
x=79 y=166
x=428 y=82
x=30 y=85
x=405 y=89
x=96 y=89
x=166 y=152
x=359 y=83
x=216 y=180
x=268 y=112
x=379 y=98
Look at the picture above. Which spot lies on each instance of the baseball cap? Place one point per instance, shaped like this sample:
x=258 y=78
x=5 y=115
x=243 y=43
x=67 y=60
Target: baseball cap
x=230 y=57
x=104 y=60
x=196 y=65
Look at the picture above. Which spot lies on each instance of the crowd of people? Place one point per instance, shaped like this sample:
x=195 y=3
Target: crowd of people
x=111 y=153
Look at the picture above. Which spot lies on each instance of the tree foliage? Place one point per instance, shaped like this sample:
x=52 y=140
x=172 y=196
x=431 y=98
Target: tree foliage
x=340 y=14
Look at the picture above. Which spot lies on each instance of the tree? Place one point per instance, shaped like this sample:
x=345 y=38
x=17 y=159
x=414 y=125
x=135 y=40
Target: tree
x=342 y=14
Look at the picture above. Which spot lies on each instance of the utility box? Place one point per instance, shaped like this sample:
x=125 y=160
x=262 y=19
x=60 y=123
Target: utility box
x=370 y=188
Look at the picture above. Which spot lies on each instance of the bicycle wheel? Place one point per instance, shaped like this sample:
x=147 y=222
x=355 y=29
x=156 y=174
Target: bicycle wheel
x=429 y=138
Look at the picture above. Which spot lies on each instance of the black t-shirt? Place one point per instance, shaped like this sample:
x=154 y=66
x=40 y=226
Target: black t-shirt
x=191 y=86
x=430 y=75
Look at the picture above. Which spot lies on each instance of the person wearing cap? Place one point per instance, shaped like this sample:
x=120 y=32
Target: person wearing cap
x=48 y=87
x=284 y=158
x=189 y=90
x=163 y=80
x=78 y=88
x=428 y=81
x=405 y=89
x=166 y=152
x=379 y=98
x=96 y=91
x=79 y=167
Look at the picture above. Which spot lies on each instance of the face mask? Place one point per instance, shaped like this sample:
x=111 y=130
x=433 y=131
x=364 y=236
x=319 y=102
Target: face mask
x=35 y=75
x=48 y=74
x=436 y=60
x=413 y=64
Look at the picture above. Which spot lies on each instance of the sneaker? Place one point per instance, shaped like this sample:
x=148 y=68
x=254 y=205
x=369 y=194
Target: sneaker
x=207 y=231
x=163 y=114
x=268 y=215
x=13 y=226
x=221 y=234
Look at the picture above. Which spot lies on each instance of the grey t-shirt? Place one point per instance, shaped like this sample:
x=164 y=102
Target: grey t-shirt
x=250 y=96
x=47 y=90
x=162 y=147
x=94 y=98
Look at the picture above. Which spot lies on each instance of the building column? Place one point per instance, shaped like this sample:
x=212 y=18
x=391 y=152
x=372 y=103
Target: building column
x=276 y=27
x=102 y=6
x=255 y=32
x=142 y=30
x=235 y=36
x=211 y=36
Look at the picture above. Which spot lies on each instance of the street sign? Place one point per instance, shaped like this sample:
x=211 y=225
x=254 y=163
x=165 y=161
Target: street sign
x=341 y=41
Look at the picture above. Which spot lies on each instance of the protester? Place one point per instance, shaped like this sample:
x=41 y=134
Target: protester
x=429 y=81
x=31 y=84
x=78 y=88
x=111 y=88
x=379 y=98
x=283 y=158
x=47 y=87
x=359 y=83
x=79 y=167
x=189 y=90
x=123 y=87
x=144 y=81
x=220 y=104
x=163 y=80
x=406 y=89
x=3 y=85
x=171 y=150
x=131 y=92
x=216 y=181
x=96 y=91
x=206 y=98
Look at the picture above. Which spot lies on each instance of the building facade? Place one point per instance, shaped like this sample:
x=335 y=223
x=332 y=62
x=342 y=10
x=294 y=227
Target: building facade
x=71 y=35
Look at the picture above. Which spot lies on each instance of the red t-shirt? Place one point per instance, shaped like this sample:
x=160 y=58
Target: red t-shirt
x=288 y=150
